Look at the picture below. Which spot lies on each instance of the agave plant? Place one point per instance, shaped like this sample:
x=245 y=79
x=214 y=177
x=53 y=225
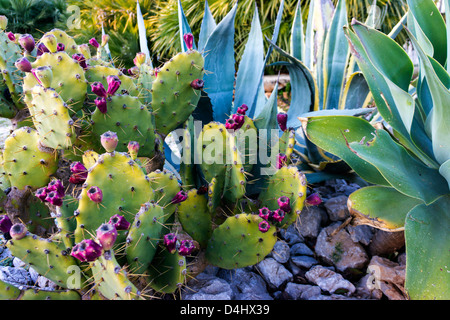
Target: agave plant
x=406 y=156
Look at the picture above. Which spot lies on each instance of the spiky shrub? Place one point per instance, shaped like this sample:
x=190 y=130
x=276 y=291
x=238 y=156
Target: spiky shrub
x=406 y=155
x=91 y=157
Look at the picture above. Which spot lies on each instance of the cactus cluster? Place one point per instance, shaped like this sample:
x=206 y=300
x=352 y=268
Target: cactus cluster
x=88 y=200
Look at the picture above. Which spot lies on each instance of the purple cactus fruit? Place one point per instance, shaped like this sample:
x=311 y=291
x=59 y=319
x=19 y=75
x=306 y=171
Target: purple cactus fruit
x=179 y=197
x=41 y=49
x=230 y=124
x=284 y=203
x=26 y=41
x=139 y=59
x=93 y=42
x=278 y=215
x=109 y=141
x=87 y=250
x=133 y=72
x=265 y=213
x=53 y=198
x=41 y=193
x=101 y=104
x=80 y=59
x=186 y=247
x=133 y=149
x=79 y=173
x=23 y=64
x=57 y=186
x=107 y=235
x=281 y=160
x=264 y=226
x=113 y=84
x=5 y=223
x=11 y=36
x=119 y=222
x=98 y=89
x=313 y=199
x=242 y=109
x=189 y=40
x=282 y=121
x=239 y=119
x=95 y=194
x=18 y=231
x=197 y=84
x=170 y=242
x=60 y=47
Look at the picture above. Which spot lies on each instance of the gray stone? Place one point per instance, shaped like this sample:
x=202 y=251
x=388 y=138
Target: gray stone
x=337 y=248
x=337 y=208
x=296 y=291
x=281 y=251
x=329 y=281
x=208 y=287
x=362 y=233
x=247 y=285
x=366 y=288
x=15 y=276
x=274 y=273
x=301 y=249
x=305 y=262
x=291 y=235
x=310 y=221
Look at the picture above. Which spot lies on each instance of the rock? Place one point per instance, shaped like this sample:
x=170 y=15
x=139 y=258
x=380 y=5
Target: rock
x=337 y=248
x=17 y=263
x=45 y=283
x=274 y=273
x=362 y=233
x=301 y=249
x=330 y=281
x=33 y=274
x=296 y=291
x=305 y=262
x=337 y=208
x=388 y=276
x=310 y=221
x=291 y=235
x=385 y=242
x=208 y=287
x=247 y=285
x=15 y=276
x=281 y=251
x=366 y=288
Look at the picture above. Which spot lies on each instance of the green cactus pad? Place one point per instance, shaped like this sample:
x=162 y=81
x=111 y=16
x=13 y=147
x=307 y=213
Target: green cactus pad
x=111 y=279
x=124 y=186
x=65 y=220
x=4 y=179
x=62 y=37
x=25 y=162
x=51 y=118
x=144 y=83
x=68 y=79
x=8 y=291
x=143 y=237
x=195 y=218
x=32 y=294
x=173 y=98
x=245 y=136
x=166 y=186
x=238 y=242
x=99 y=73
x=167 y=272
x=49 y=258
x=38 y=219
x=286 y=181
x=235 y=180
x=130 y=119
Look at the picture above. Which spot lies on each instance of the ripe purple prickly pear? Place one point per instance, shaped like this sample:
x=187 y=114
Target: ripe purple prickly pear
x=170 y=242
x=278 y=215
x=87 y=250
x=41 y=49
x=284 y=203
x=26 y=41
x=264 y=213
x=23 y=64
x=313 y=199
x=80 y=59
x=113 y=84
x=60 y=47
x=107 y=235
x=5 y=223
x=179 y=197
x=95 y=194
x=281 y=160
x=11 y=36
x=264 y=226
x=282 y=121
x=186 y=247
x=93 y=42
x=119 y=222
x=18 y=231
x=79 y=173
x=101 y=104
x=189 y=40
x=109 y=141
x=98 y=89
x=242 y=109
x=57 y=186
x=197 y=84
x=53 y=198
x=41 y=193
